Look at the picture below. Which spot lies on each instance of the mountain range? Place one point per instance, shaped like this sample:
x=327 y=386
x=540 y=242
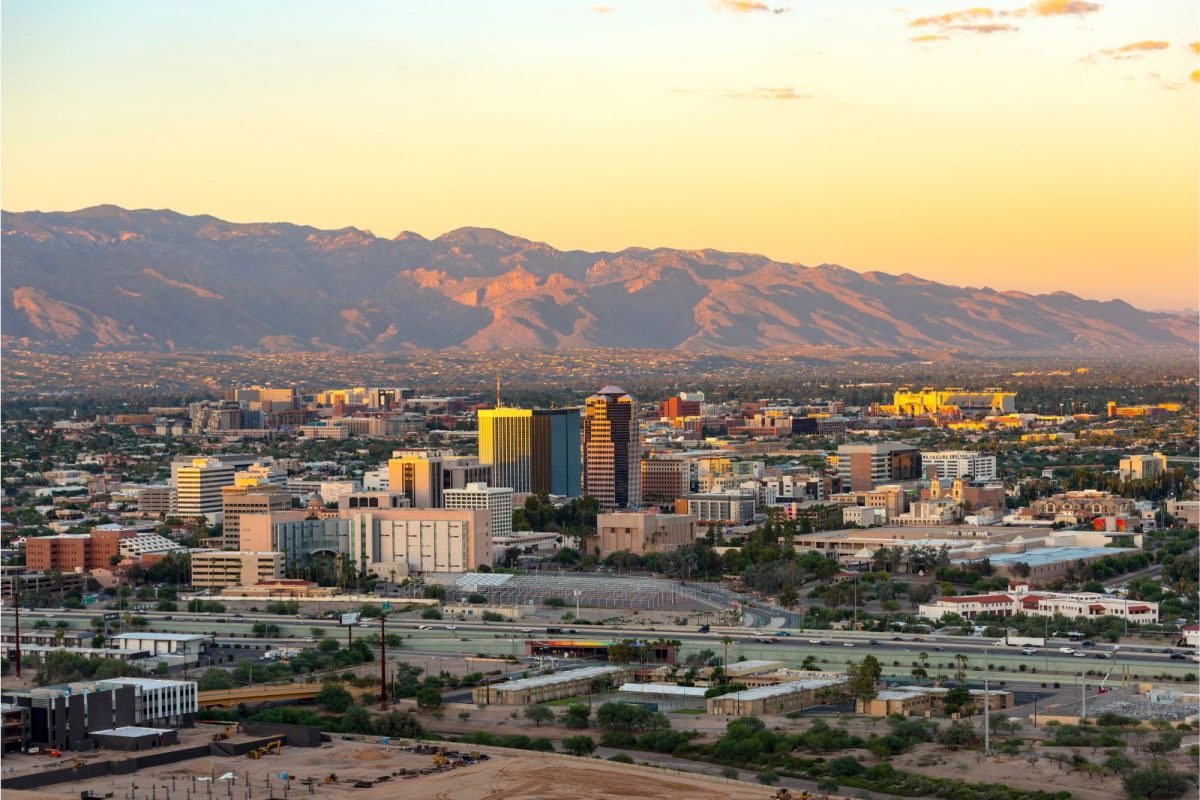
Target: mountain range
x=107 y=278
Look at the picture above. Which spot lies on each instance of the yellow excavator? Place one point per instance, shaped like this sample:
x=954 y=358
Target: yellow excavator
x=330 y=778
x=439 y=760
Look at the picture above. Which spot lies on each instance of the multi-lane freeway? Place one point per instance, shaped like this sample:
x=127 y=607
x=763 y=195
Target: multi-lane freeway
x=829 y=649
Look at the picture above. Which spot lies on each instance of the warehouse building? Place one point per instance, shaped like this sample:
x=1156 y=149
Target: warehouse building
x=775 y=699
x=539 y=689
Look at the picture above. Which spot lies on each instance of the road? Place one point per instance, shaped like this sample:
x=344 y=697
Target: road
x=830 y=649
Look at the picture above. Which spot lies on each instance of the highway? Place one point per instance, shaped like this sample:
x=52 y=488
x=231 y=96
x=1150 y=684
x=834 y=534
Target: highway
x=830 y=649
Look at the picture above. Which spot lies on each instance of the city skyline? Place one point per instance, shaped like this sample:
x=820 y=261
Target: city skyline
x=1037 y=147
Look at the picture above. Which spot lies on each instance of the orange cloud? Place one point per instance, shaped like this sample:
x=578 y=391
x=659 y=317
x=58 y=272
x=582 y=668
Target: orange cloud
x=1195 y=76
x=929 y=37
x=1134 y=50
x=951 y=17
x=1058 y=8
x=986 y=27
x=746 y=7
x=1195 y=47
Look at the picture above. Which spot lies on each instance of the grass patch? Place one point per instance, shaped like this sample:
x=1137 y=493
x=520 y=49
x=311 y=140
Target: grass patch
x=566 y=701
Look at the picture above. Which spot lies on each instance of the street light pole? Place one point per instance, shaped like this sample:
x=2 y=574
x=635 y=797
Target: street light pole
x=987 y=704
x=17 y=612
x=383 y=687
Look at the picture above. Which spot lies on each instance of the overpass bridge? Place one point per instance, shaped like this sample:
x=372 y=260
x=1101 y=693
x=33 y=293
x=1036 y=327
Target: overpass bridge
x=227 y=698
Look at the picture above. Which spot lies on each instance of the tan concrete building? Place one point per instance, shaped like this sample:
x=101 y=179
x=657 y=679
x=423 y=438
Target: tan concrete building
x=542 y=688
x=422 y=475
x=250 y=494
x=1086 y=503
x=776 y=698
x=393 y=542
x=892 y=499
x=222 y=569
x=644 y=532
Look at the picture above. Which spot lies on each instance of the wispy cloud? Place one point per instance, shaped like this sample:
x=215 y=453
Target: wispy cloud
x=747 y=7
x=1129 y=51
x=1195 y=76
x=769 y=93
x=760 y=93
x=982 y=19
x=1195 y=47
x=952 y=17
x=1058 y=8
x=985 y=27
x=929 y=37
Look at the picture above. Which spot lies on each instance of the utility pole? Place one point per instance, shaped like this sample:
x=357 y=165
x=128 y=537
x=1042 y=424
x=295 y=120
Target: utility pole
x=17 y=612
x=383 y=687
x=987 y=705
x=1082 y=697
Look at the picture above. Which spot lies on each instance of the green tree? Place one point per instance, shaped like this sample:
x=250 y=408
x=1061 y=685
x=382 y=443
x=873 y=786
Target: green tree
x=429 y=699
x=576 y=716
x=579 y=745
x=958 y=735
x=538 y=714
x=1156 y=782
x=357 y=720
x=214 y=680
x=333 y=697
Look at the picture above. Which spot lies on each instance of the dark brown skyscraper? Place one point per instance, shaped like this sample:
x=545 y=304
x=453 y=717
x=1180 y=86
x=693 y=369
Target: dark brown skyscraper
x=612 y=450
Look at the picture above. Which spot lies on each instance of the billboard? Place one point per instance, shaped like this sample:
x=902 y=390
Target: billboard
x=350 y=618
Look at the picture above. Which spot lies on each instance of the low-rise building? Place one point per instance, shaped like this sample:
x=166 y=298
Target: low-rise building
x=776 y=698
x=541 y=688
x=221 y=569
x=733 y=507
x=1042 y=604
x=644 y=532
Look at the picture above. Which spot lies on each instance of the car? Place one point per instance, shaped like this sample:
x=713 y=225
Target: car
x=823 y=643
x=1067 y=651
x=1028 y=651
x=897 y=638
x=222 y=619
x=1103 y=656
x=309 y=639
x=847 y=644
x=451 y=627
x=917 y=639
x=1087 y=644
x=168 y=617
x=48 y=616
x=526 y=630
x=782 y=633
x=237 y=616
x=814 y=641
x=553 y=630
x=999 y=643
x=1178 y=657
x=572 y=630
x=872 y=641
x=703 y=629
x=772 y=640
x=424 y=627
x=1079 y=654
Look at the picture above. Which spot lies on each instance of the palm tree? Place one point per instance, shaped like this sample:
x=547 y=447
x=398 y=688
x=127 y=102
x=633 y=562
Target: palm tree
x=960 y=667
x=726 y=640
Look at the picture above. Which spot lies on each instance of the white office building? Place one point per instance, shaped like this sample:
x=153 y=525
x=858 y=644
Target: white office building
x=951 y=464
x=479 y=496
x=198 y=488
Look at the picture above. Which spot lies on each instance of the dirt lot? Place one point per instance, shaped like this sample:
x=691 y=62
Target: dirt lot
x=504 y=776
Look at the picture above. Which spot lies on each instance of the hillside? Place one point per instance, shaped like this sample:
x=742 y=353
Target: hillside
x=108 y=278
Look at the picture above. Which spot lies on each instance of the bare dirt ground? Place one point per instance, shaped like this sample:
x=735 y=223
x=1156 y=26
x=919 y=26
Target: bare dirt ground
x=504 y=777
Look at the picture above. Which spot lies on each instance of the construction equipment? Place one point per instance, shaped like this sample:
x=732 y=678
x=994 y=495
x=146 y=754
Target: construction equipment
x=1101 y=689
x=221 y=735
x=330 y=778
x=439 y=760
x=782 y=794
x=272 y=747
x=53 y=753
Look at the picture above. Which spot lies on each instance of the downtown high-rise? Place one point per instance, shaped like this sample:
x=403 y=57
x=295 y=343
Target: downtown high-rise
x=612 y=450
x=532 y=450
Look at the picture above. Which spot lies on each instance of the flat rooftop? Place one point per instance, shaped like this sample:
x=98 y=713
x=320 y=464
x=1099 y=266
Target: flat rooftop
x=558 y=677
x=163 y=637
x=791 y=687
x=1054 y=555
x=133 y=730
x=670 y=689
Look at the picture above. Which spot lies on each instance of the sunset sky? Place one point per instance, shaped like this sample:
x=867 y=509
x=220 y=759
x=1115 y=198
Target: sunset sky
x=1044 y=146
